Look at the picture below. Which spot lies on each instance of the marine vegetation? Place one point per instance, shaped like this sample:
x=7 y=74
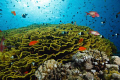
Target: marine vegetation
x=32 y=45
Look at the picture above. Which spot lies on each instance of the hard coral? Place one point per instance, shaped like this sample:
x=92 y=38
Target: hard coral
x=52 y=44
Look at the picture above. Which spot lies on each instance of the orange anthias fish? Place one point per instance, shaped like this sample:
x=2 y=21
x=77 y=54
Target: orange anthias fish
x=118 y=13
x=33 y=43
x=93 y=14
x=13 y=12
x=95 y=33
x=81 y=40
x=26 y=72
x=82 y=48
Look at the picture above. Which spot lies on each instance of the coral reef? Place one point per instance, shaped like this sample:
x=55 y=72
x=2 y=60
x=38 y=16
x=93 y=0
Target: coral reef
x=52 y=70
x=85 y=66
x=59 y=42
x=116 y=60
x=98 y=63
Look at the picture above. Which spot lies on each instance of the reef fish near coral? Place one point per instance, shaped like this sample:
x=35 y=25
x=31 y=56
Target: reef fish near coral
x=13 y=12
x=82 y=48
x=2 y=44
x=81 y=40
x=118 y=13
x=64 y=32
x=93 y=14
x=33 y=43
x=26 y=72
x=95 y=33
x=75 y=23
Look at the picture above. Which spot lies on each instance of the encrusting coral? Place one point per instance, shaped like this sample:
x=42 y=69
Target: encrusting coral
x=57 y=42
x=52 y=70
x=85 y=66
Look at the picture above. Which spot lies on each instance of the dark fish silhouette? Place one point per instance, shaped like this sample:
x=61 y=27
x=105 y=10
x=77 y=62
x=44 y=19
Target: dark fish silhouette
x=24 y=15
x=116 y=16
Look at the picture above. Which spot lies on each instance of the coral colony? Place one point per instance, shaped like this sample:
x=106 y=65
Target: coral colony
x=57 y=52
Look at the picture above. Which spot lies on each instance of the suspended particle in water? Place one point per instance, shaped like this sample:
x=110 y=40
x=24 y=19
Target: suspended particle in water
x=38 y=7
x=60 y=21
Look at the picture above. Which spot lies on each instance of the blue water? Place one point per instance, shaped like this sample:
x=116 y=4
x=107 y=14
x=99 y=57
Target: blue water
x=63 y=11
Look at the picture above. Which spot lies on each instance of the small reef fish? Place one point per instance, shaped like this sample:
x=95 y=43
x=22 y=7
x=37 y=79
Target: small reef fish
x=13 y=12
x=75 y=23
x=81 y=40
x=116 y=34
x=33 y=63
x=64 y=32
x=82 y=48
x=26 y=72
x=80 y=33
x=116 y=16
x=95 y=33
x=24 y=15
x=33 y=43
x=2 y=44
x=101 y=36
x=102 y=22
x=118 y=13
x=93 y=14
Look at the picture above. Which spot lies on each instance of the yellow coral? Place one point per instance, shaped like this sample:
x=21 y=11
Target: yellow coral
x=51 y=41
